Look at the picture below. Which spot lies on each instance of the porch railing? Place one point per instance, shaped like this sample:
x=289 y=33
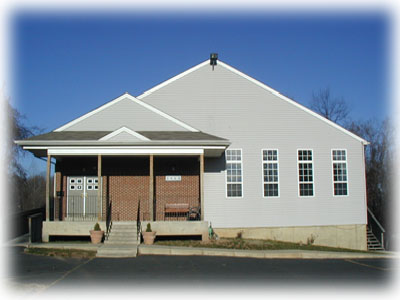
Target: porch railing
x=109 y=219
x=138 y=223
x=78 y=208
x=376 y=228
x=186 y=209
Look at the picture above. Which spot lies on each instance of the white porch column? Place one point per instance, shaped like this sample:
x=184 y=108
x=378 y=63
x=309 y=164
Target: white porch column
x=48 y=188
x=99 y=200
x=202 y=186
x=151 y=187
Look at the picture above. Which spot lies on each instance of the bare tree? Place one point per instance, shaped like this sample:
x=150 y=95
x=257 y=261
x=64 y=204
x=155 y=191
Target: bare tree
x=17 y=131
x=334 y=109
x=18 y=180
x=379 y=157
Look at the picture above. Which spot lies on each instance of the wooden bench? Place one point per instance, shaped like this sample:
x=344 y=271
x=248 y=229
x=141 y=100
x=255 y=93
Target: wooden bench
x=176 y=210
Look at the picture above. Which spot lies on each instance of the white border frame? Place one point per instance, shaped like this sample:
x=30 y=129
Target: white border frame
x=313 y=172
x=347 y=172
x=226 y=175
x=262 y=169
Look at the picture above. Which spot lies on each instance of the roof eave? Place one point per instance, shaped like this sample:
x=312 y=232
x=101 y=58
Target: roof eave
x=144 y=143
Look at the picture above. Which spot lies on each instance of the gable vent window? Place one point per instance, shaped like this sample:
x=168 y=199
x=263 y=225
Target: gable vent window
x=339 y=168
x=270 y=173
x=306 y=173
x=234 y=176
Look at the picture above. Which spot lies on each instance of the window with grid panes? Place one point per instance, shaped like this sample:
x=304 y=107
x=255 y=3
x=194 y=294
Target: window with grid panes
x=339 y=167
x=234 y=177
x=306 y=176
x=270 y=173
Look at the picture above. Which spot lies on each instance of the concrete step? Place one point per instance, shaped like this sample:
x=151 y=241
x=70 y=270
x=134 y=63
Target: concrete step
x=117 y=250
x=124 y=225
x=123 y=233
x=121 y=242
x=121 y=239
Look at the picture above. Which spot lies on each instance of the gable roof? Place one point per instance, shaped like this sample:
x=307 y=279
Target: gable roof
x=130 y=134
x=260 y=84
x=126 y=96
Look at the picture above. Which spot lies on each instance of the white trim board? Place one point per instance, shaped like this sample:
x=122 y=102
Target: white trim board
x=260 y=84
x=126 y=151
x=130 y=97
x=126 y=130
x=157 y=87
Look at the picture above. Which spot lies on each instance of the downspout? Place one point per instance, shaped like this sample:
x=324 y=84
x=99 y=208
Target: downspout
x=365 y=182
x=365 y=192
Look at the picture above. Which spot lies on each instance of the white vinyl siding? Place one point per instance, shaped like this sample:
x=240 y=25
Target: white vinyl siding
x=306 y=173
x=270 y=173
x=339 y=170
x=225 y=104
x=234 y=175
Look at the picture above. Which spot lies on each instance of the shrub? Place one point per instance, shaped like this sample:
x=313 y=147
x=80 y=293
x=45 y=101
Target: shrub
x=148 y=228
x=97 y=227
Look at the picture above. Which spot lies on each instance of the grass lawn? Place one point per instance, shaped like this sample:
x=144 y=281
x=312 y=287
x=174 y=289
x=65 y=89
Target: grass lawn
x=250 y=244
x=72 y=253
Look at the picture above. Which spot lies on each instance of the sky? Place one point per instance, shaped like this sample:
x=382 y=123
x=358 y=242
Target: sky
x=65 y=65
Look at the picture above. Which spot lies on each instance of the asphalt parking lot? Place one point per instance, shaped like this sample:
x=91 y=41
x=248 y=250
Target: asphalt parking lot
x=27 y=272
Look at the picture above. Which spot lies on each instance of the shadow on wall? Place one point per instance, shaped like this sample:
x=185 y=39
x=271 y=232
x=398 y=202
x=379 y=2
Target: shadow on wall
x=214 y=165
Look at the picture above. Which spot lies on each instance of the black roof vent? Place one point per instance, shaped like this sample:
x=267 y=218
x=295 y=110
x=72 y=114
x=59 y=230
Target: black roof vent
x=213 y=59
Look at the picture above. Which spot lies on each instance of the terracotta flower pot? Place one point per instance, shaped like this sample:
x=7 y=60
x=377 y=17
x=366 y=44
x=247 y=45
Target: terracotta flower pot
x=96 y=236
x=148 y=237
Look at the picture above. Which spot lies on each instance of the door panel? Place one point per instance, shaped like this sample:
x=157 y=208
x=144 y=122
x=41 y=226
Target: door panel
x=82 y=197
x=75 y=197
x=91 y=193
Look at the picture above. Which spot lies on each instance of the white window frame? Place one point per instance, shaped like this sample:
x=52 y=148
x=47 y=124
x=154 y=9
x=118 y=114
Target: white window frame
x=226 y=174
x=262 y=169
x=347 y=172
x=312 y=169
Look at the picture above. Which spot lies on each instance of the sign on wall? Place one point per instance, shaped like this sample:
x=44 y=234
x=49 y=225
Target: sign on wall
x=173 y=178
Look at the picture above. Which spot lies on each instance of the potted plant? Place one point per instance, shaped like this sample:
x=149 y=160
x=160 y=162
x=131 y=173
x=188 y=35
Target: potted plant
x=96 y=235
x=148 y=235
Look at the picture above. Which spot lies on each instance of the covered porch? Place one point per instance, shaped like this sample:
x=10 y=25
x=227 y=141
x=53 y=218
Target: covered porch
x=124 y=176
x=165 y=189
x=127 y=188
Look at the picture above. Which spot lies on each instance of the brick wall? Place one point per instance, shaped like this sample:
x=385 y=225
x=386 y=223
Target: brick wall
x=184 y=191
x=125 y=182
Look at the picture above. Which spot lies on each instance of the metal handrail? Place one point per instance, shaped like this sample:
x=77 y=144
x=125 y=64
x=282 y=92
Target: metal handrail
x=376 y=221
x=109 y=219
x=375 y=232
x=138 y=223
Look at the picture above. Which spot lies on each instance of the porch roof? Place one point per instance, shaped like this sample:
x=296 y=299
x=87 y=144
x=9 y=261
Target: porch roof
x=40 y=144
x=71 y=136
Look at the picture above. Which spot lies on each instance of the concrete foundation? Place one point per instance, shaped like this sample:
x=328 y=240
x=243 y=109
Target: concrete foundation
x=66 y=228
x=341 y=236
x=179 y=228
